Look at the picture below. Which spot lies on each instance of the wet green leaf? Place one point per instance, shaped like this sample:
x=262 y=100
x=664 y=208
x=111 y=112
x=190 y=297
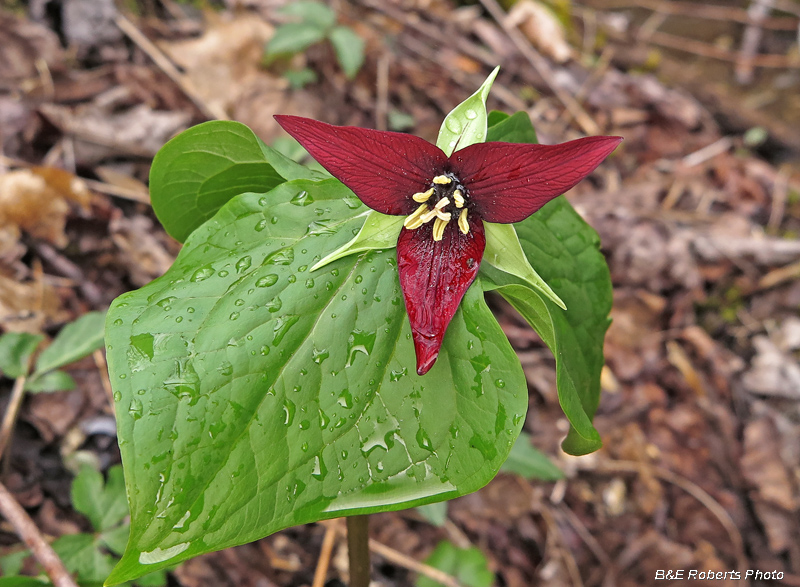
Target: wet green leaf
x=467 y=565
x=16 y=349
x=253 y=395
x=195 y=173
x=565 y=253
x=349 y=49
x=516 y=128
x=75 y=341
x=529 y=462
x=466 y=123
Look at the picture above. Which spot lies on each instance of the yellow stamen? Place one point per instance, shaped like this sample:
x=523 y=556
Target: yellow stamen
x=414 y=219
x=463 y=225
x=438 y=228
x=428 y=216
x=422 y=196
x=459 y=198
x=442 y=215
x=442 y=180
x=442 y=203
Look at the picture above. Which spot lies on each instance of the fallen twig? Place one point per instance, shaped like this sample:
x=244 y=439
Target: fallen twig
x=163 y=63
x=10 y=417
x=324 y=560
x=541 y=66
x=30 y=535
x=405 y=561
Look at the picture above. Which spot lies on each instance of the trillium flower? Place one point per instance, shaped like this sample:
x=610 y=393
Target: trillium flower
x=446 y=201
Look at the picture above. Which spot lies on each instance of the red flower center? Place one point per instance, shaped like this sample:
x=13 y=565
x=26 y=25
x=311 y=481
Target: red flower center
x=444 y=201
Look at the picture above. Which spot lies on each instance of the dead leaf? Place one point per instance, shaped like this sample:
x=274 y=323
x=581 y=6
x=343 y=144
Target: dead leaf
x=37 y=201
x=772 y=372
x=141 y=252
x=541 y=26
x=223 y=67
x=762 y=465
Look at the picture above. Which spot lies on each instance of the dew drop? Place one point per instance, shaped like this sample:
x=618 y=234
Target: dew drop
x=223 y=273
x=136 y=409
x=234 y=316
x=260 y=225
x=262 y=201
x=267 y=280
x=117 y=396
x=453 y=124
x=319 y=355
x=302 y=198
x=273 y=305
x=289 y=409
x=359 y=279
x=243 y=264
x=345 y=399
x=118 y=322
x=310 y=283
x=471 y=114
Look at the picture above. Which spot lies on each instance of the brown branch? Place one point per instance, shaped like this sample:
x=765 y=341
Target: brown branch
x=707 y=12
x=542 y=67
x=773 y=61
x=30 y=535
x=324 y=560
x=10 y=417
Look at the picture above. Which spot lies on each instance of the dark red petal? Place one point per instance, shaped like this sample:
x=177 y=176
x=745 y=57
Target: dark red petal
x=434 y=276
x=384 y=169
x=508 y=182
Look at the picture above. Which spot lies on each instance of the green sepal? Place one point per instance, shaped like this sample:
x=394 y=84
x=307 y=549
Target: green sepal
x=380 y=231
x=467 y=123
x=504 y=251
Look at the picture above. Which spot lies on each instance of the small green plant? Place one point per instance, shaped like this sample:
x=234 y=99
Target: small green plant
x=467 y=565
x=294 y=364
x=75 y=341
x=89 y=556
x=315 y=22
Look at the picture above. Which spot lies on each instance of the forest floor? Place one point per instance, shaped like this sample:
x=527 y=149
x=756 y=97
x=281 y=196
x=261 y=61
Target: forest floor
x=698 y=211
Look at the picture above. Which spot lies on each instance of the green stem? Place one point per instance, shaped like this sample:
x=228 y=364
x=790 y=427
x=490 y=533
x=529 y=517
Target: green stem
x=358 y=550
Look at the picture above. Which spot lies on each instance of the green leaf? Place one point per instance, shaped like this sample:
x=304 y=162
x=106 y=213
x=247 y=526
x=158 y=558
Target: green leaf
x=49 y=382
x=504 y=251
x=293 y=37
x=349 y=49
x=81 y=554
x=195 y=173
x=316 y=13
x=466 y=123
x=435 y=513
x=399 y=120
x=115 y=539
x=104 y=504
x=23 y=582
x=511 y=129
x=300 y=78
x=16 y=349
x=75 y=341
x=566 y=253
x=529 y=462
x=379 y=232
x=467 y=565
x=254 y=395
